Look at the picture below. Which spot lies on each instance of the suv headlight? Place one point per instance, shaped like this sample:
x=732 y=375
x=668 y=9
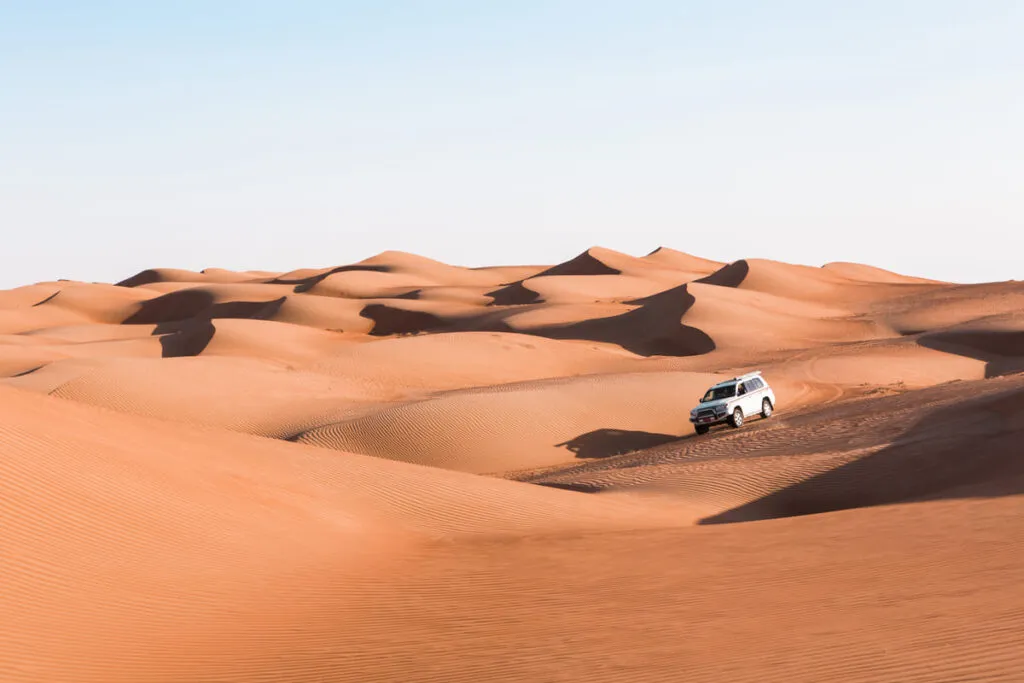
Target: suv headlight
x=721 y=410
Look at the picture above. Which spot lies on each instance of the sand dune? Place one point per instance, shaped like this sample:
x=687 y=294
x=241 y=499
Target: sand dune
x=949 y=306
x=255 y=396
x=27 y=296
x=605 y=275
x=518 y=426
x=847 y=455
x=210 y=275
x=424 y=362
x=400 y=469
x=845 y=285
x=863 y=596
x=679 y=260
x=859 y=271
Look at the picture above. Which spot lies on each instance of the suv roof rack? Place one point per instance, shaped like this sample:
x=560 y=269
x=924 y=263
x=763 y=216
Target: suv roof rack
x=738 y=378
x=755 y=373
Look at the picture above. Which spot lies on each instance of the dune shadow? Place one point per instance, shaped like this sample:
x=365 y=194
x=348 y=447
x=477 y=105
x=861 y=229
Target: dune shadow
x=184 y=338
x=603 y=443
x=180 y=305
x=518 y=294
x=581 y=265
x=304 y=284
x=653 y=329
x=578 y=488
x=1002 y=351
x=145 y=277
x=184 y=319
x=731 y=275
x=969 y=449
x=25 y=373
x=197 y=303
x=515 y=294
x=47 y=299
x=388 y=320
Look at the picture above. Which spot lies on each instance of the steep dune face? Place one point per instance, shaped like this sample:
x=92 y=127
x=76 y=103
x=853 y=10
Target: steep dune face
x=323 y=474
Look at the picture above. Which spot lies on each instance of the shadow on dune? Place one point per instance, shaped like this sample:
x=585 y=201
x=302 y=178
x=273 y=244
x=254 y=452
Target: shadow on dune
x=46 y=300
x=303 y=285
x=515 y=294
x=184 y=319
x=578 y=488
x=584 y=264
x=603 y=443
x=145 y=277
x=967 y=450
x=518 y=294
x=654 y=329
x=197 y=303
x=185 y=337
x=1001 y=351
x=388 y=320
x=731 y=275
x=25 y=373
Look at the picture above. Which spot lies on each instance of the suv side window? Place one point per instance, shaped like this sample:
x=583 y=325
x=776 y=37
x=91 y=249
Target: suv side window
x=754 y=384
x=741 y=389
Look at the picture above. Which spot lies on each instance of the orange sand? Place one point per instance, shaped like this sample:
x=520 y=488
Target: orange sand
x=405 y=470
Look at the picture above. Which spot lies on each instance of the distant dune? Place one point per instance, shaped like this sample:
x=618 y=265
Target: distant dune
x=404 y=470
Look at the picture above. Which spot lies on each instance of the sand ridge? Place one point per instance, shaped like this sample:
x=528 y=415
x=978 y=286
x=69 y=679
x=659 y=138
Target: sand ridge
x=400 y=469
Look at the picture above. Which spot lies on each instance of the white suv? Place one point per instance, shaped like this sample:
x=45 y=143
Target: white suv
x=733 y=400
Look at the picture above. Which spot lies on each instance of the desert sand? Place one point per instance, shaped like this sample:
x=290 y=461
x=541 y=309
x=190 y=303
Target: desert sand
x=404 y=470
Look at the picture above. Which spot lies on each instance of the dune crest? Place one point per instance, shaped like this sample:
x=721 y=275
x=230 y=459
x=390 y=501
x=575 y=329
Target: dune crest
x=401 y=469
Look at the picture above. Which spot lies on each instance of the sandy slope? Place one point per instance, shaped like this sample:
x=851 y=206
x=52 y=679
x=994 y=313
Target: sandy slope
x=850 y=454
x=155 y=564
x=520 y=426
x=160 y=522
x=864 y=596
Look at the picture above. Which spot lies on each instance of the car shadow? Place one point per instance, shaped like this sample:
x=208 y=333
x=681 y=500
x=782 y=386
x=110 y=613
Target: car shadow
x=604 y=443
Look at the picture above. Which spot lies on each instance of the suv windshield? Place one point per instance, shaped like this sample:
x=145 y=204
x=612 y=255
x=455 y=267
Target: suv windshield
x=718 y=393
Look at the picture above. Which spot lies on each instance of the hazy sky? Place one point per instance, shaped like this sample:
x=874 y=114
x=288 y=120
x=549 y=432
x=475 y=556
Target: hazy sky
x=276 y=135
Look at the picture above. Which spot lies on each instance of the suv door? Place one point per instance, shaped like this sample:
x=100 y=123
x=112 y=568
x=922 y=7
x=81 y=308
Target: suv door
x=752 y=399
x=743 y=397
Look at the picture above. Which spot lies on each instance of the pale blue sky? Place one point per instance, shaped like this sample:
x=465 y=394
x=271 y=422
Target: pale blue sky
x=277 y=135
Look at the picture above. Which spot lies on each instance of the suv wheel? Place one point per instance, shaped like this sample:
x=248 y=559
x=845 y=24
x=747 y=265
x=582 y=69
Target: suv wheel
x=766 y=409
x=736 y=419
x=701 y=429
